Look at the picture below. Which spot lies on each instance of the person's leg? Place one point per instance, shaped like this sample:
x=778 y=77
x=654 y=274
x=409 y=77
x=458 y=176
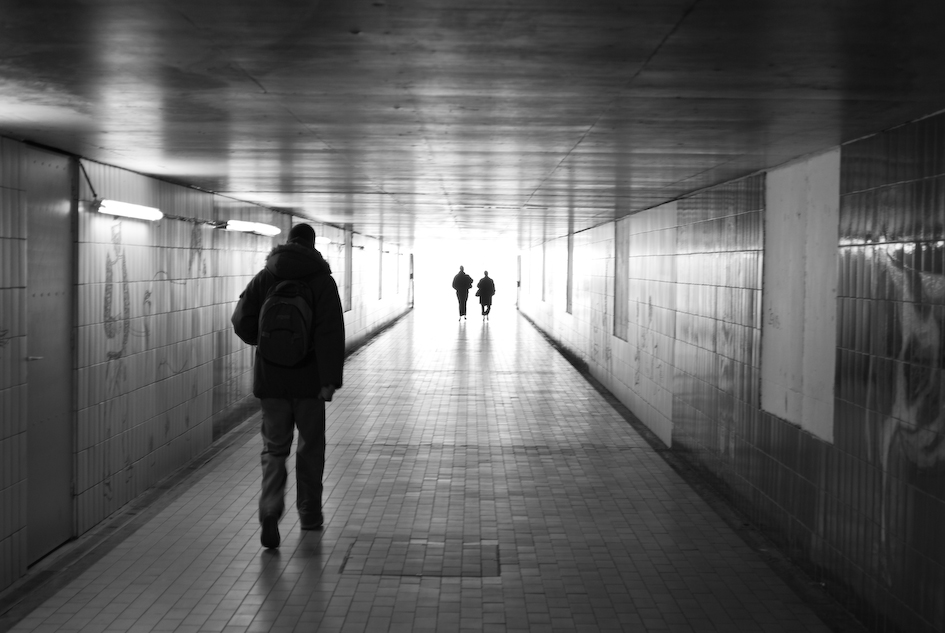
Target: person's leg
x=276 y=434
x=486 y=309
x=310 y=460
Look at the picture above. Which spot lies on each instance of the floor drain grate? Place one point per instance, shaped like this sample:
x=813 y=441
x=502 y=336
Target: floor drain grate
x=421 y=557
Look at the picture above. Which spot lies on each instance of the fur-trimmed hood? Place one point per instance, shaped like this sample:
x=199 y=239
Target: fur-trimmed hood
x=294 y=261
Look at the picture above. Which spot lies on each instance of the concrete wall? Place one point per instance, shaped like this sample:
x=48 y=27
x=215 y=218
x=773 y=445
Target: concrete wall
x=799 y=297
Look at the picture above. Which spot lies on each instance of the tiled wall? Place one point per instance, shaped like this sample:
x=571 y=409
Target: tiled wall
x=12 y=379
x=153 y=309
x=644 y=370
x=719 y=241
x=865 y=512
x=159 y=373
x=592 y=303
x=884 y=513
x=638 y=370
x=370 y=313
x=585 y=332
x=553 y=285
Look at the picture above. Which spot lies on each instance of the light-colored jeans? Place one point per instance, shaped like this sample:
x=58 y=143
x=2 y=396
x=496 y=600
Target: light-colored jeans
x=280 y=416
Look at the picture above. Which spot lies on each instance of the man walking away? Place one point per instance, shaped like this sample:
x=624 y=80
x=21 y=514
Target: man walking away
x=461 y=284
x=292 y=312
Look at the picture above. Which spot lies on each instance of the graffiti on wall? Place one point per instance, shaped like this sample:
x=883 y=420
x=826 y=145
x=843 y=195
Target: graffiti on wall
x=912 y=422
x=117 y=313
x=916 y=418
x=120 y=314
x=116 y=321
x=646 y=359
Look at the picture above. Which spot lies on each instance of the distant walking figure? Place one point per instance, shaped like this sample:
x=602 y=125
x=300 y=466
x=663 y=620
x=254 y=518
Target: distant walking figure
x=461 y=284
x=486 y=290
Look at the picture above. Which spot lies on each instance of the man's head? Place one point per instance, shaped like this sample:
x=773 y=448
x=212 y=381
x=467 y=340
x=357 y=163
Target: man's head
x=302 y=234
x=460 y=269
x=486 y=273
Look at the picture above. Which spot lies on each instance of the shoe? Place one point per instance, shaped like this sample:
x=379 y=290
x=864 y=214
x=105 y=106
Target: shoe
x=270 y=533
x=317 y=524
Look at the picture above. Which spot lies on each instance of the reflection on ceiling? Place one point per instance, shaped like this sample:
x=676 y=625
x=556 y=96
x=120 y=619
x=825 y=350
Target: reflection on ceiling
x=419 y=120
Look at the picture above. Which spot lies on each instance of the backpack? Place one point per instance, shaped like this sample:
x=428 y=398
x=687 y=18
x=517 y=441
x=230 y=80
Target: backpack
x=285 y=323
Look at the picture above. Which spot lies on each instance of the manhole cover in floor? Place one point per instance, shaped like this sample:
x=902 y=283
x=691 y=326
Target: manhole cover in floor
x=421 y=557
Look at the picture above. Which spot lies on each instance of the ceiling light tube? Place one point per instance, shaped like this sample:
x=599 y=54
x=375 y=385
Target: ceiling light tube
x=323 y=240
x=128 y=210
x=252 y=227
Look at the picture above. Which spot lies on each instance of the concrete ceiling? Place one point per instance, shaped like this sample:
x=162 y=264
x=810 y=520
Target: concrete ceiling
x=505 y=120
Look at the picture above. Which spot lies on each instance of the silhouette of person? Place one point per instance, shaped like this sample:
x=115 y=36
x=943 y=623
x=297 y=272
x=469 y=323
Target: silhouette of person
x=294 y=396
x=486 y=289
x=461 y=284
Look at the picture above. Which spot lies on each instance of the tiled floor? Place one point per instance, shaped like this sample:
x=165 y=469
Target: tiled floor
x=475 y=482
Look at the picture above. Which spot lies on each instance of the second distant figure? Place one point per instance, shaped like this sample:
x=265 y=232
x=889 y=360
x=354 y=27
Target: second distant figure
x=461 y=284
x=486 y=290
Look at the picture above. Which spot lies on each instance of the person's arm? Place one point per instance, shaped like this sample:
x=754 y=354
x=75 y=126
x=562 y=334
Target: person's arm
x=245 y=318
x=329 y=338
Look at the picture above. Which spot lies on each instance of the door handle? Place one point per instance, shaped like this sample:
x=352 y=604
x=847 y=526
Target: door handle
x=34 y=358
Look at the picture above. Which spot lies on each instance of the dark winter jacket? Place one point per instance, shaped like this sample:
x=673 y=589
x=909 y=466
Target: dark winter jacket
x=462 y=283
x=486 y=290
x=326 y=361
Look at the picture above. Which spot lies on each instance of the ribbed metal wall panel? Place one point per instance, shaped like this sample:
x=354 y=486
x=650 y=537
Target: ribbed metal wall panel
x=13 y=390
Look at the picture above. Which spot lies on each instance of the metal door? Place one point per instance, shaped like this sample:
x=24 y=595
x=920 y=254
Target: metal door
x=50 y=284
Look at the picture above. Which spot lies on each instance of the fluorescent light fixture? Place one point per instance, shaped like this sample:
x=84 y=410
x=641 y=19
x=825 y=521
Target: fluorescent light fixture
x=128 y=210
x=252 y=227
x=323 y=240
